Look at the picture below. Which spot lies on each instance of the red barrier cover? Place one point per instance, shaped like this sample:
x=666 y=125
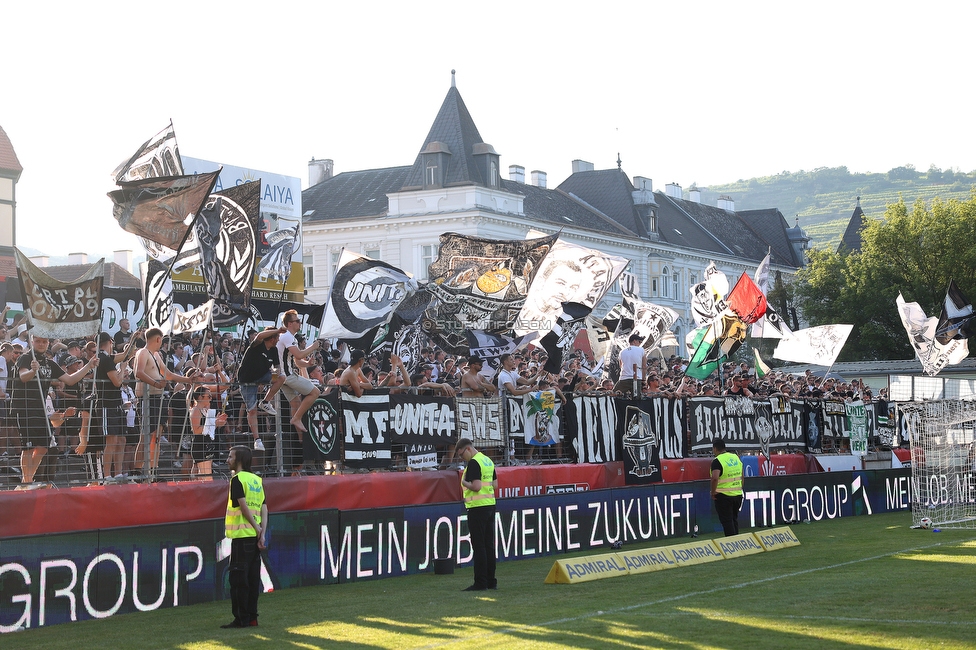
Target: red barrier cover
x=783 y=464
x=37 y=512
x=686 y=469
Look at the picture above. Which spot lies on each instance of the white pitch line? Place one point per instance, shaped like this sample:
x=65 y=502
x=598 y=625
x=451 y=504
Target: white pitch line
x=693 y=594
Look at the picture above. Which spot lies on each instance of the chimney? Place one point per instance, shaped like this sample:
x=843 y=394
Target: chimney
x=582 y=166
x=40 y=261
x=77 y=258
x=643 y=193
x=538 y=178
x=319 y=170
x=726 y=203
x=643 y=184
x=673 y=190
x=124 y=259
x=516 y=173
x=694 y=195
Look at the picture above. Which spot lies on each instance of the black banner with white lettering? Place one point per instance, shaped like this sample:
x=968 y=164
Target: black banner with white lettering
x=591 y=421
x=422 y=419
x=367 y=437
x=480 y=420
x=745 y=424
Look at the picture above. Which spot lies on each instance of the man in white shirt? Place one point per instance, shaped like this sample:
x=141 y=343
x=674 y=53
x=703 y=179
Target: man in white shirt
x=633 y=366
x=299 y=391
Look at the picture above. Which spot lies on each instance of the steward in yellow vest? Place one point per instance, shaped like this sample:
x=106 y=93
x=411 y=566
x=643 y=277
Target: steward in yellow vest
x=246 y=525
x=479 y=483
x=726 y=487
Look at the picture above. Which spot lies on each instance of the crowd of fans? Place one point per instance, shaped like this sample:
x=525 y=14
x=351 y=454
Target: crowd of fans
x=201 y=373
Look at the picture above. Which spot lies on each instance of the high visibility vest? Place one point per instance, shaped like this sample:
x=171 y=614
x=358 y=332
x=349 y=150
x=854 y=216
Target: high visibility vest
x=486 y=495
x=235 y=524
x=730 y=482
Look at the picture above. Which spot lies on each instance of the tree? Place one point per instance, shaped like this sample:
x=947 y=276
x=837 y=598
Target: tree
x=915 y=252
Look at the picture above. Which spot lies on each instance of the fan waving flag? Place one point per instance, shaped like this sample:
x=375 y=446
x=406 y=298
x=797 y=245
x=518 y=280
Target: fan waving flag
x=160 y=209
x=157 y=292
x=818 y=345
x=61 y=309
x=761 y=278
x=365 y=293
x=747 y=300
x=226 y=233
x=956 y=319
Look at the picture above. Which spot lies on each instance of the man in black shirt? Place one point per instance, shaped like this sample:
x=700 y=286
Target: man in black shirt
x=259 y=357
x=107 y=417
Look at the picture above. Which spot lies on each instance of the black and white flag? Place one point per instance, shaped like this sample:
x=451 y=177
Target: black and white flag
x=366 y=425
x=158 y=156
x=956 y=319
x=193 y=320
x=157 y=292
x=365 y=293
x=570 y=273
x=226 y=233
x=592 y=421
x=422 y=419
x=276 y=263
x=322 y=422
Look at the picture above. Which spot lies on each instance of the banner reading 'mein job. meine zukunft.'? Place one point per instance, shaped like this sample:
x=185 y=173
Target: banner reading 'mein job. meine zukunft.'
x=96 y=574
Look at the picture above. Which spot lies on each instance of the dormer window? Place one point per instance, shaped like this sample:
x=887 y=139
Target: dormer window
x=651 y=221
x=493 y=175
x=431 y=177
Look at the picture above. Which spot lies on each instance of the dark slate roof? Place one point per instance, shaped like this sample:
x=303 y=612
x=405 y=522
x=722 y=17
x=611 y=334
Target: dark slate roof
x=353 y=194
x=851 y=241
x=560 y=210
x=675 y=226
x=771 y=226
x=454 y=127
x=8 y=157
x=610 y=192
x=735 y=233
x=115 y=276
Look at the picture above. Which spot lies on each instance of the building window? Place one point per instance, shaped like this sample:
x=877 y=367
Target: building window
x=664 y=282
x=652 y=221
x=309 y=273
x=372 y=253
x=654 y=287
x=675 y=285
x=428 y=253
x=693 y=279
x=493 y=175
x=334 y=264
x=431 y=174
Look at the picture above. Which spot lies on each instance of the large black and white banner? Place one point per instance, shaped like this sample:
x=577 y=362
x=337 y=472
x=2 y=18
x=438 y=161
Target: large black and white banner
x=422 y=423
x=480 y=420
x=322 y=422
x=570 y=273
x=591 y=421
x=226 y=232
x=366 y=425
x=480 y=284
x=423 y=419
x=746 y=424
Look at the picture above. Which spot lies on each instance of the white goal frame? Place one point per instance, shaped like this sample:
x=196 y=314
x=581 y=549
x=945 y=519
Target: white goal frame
x=942 y=435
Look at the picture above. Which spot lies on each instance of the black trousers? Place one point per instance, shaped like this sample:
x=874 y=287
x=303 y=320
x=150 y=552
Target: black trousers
x=481 y=524
x=727 y=507
x=245 y=578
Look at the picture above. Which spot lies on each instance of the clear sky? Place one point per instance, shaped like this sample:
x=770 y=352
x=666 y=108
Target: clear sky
x=685 y=91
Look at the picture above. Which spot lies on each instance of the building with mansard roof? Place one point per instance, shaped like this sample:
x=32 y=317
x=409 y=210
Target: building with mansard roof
x=455 y=184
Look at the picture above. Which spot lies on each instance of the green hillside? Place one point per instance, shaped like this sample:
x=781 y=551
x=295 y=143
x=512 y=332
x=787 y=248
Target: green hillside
x=825 y=198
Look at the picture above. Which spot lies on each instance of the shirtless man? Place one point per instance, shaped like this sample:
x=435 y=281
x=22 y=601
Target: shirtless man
x=472 y=383
x=353 y=377
x=152 y=374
